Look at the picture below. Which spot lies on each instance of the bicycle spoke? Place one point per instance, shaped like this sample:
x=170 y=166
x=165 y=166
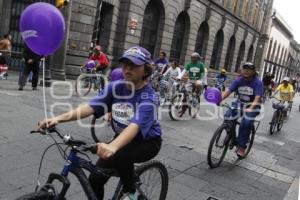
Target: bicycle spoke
x=151 y=184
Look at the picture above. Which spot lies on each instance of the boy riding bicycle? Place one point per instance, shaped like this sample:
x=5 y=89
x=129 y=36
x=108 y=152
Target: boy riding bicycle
x=250 y=90
x=133 y=104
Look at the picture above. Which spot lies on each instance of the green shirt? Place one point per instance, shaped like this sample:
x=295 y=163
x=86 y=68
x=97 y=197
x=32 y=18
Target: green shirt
x=195 y=70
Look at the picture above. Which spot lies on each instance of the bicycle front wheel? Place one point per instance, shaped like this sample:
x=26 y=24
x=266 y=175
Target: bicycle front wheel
x=83 y=85
x=273 y=123
x=102 y=130
x=40 y=195
x=218 y=146
x=153 y=181
x=280 y=121
x=178 y=107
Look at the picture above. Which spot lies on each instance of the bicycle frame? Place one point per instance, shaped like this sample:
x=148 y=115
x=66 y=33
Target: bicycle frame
x=76 y=166
x=235 y=122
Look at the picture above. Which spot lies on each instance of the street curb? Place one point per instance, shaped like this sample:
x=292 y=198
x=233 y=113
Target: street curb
x=292 y=193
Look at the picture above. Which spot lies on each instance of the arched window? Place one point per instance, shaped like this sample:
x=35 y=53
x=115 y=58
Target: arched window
x=230 y=53
x=202 y=39
x=270 y=48
x=240 y=56
x=150 y=30
x=250 y=54
x=179 y=41
x=217 y=50
x=102 y=28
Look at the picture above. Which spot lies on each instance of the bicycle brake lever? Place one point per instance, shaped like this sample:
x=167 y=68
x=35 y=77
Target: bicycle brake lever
x=93 y=148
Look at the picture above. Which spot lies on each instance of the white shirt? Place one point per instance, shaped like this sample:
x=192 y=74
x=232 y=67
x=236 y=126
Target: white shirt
x=174 y=73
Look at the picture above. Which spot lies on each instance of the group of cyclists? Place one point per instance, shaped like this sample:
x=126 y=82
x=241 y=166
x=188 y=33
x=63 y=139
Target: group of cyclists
x=134 y=104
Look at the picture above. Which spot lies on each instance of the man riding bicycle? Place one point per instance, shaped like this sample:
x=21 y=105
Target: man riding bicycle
x=134 y=106
x=195 y=72
x=250 y=90
x=286 y=93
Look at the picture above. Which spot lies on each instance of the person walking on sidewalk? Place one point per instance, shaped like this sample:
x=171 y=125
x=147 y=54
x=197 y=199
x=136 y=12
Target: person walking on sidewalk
x=32 y=61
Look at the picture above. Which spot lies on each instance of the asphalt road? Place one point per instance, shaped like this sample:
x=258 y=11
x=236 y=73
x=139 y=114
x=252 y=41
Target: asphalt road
x=271 y=171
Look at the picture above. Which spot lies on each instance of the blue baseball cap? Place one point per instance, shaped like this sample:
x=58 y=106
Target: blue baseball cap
x=138 y=55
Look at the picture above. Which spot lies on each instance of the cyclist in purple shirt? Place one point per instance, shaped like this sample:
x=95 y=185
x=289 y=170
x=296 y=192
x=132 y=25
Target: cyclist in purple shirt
x=250 y=90
x=162 y=63
x=134 y=107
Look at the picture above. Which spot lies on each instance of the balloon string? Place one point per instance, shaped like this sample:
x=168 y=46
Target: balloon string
x=44 y=92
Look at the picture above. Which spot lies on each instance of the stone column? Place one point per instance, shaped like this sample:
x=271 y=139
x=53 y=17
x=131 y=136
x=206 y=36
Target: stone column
x=262 y=45
x=57 y=61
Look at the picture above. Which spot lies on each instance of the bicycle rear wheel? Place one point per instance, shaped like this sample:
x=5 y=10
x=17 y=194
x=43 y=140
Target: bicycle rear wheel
x=83 y=85
x=153 y=181
x=218 y=146
x=40 y=195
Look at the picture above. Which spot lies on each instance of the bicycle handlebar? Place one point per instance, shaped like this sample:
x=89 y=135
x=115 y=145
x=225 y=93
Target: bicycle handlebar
x=68 y=140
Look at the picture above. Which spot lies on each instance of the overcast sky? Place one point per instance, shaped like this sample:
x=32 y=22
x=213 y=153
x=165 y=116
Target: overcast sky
x=290 y=11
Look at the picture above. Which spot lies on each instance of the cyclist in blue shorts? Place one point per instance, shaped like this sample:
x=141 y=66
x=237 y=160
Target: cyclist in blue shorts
x=134 y=105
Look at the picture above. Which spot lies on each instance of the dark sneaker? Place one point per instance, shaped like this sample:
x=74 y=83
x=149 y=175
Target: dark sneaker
x=20 y=88
x=34 y=88
x=241 y=152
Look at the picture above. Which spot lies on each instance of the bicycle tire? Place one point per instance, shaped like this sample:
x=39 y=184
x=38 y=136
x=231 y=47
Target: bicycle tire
x=280 y=122
x=40 y=195
x=172 y=105
x=163 y=175
x=78 y=88
x=195 y=109
x=94 y=134
x=273 y=123
x=215 y=138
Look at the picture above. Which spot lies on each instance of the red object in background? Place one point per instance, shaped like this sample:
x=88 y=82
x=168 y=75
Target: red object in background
x=102 y=60
x=3 y=68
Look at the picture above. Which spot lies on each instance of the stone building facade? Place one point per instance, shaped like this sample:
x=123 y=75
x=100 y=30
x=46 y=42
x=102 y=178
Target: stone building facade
x=283 y=53
x=224 y=32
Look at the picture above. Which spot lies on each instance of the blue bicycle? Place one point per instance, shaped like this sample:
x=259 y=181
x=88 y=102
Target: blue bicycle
x=151 y=177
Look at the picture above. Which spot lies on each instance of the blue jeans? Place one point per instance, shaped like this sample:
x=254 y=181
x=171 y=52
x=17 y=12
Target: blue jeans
x=246 y=122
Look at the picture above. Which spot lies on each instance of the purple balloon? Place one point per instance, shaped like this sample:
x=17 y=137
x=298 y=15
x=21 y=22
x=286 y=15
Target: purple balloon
x=117 y=74
x=42 y=28
x=213 y=95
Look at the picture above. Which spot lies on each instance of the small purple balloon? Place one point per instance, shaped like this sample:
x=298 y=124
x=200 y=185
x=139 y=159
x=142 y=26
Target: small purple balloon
x=213 y=95
x=117 y=74
x=42 y=27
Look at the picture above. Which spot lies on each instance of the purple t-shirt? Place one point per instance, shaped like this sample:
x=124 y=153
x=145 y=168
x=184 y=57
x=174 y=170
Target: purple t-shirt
x=247 y=90
x=139 y=107
x=161 y=63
